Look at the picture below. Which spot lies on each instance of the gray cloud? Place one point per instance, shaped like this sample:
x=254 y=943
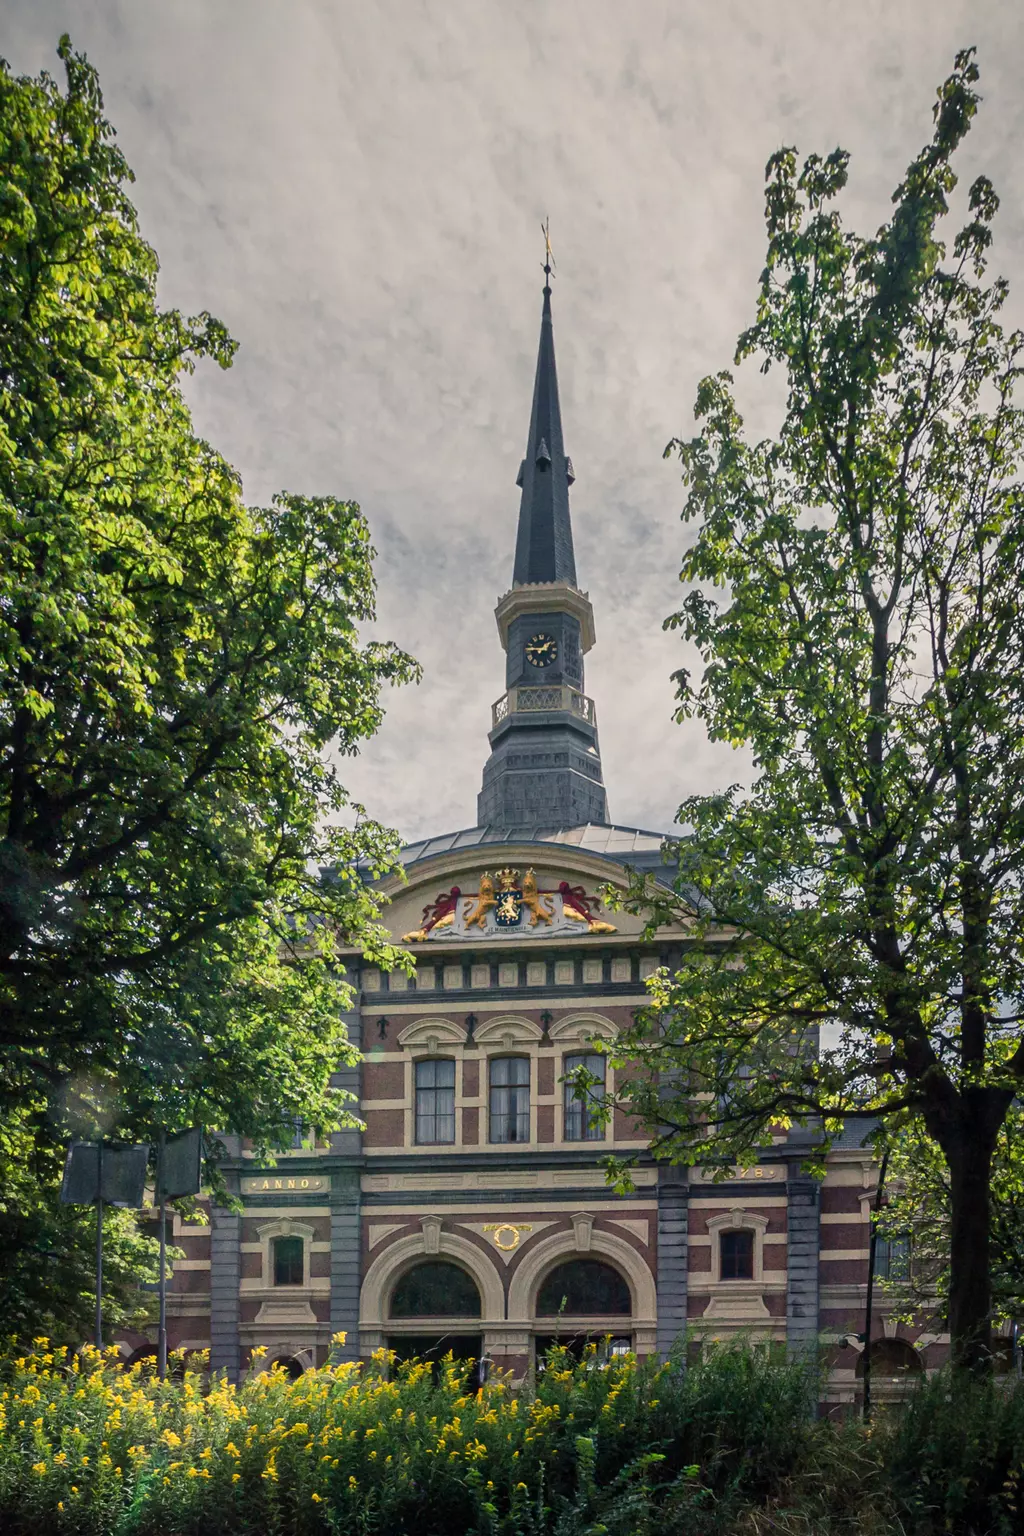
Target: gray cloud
x=356 y=191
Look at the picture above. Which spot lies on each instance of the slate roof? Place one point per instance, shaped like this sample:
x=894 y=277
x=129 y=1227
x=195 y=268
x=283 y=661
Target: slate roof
x=544 y=549
x=619 y=845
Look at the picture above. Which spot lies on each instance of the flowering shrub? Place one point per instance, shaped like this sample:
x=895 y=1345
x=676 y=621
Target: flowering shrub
x=91 y=1448
x=616 y=1448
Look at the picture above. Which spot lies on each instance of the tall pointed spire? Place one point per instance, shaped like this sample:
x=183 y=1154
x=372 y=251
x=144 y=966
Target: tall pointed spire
x=544 y=543
x=545 y=764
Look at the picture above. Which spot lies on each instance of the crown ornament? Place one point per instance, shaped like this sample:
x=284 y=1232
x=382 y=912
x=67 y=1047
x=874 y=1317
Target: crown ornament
x=507 y=879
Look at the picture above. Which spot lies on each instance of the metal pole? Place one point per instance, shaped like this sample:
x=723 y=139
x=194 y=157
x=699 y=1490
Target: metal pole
x=872 y=1245
x=99 y=1244
x=161 y=1345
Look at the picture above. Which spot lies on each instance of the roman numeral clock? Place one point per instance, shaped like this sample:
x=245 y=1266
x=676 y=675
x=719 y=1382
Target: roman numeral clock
x=541 y=650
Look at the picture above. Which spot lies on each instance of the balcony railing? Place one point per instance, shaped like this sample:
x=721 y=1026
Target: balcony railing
x=552 y=697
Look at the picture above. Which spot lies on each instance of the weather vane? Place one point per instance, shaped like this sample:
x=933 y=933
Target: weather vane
x=549 y=260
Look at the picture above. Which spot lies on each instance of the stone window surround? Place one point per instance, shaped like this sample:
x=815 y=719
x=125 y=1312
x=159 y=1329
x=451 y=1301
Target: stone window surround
x=502 y=1035
x=737 y=1302
x=286 y=1226
x=737 y=1220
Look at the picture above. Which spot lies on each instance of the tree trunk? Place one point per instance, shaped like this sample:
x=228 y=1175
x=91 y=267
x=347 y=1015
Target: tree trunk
x=969 y=1154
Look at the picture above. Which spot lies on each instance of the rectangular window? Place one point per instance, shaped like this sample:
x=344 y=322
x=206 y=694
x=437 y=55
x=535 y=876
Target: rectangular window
x=510 y=1099
x=892 y=1258
x=435 y=1102
x=736 y=1252
x=288 y=1260
x=581 y=1123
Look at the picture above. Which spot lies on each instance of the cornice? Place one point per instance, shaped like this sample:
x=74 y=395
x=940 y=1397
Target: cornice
x=546 y=597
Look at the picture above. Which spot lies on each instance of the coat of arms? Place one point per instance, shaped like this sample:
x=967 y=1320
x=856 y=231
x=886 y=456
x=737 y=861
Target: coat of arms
x=508 y=899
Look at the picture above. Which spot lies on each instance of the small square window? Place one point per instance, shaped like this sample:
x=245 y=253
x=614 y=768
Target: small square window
x=736 y=1252
x=288 y=1260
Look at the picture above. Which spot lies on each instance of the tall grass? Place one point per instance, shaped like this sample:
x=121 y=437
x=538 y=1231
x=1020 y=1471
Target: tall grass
x=615 y=1448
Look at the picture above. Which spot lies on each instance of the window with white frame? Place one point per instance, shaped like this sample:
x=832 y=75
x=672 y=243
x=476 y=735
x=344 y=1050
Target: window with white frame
x=582 y=1122
x=435 y=1101
x=510 y=1099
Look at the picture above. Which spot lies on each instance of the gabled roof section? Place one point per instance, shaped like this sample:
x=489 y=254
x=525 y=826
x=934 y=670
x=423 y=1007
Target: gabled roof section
x=544 y=549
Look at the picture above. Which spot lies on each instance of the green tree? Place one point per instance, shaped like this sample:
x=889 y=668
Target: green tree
x=856 y=916
x=917 y=1207
x=179 y=674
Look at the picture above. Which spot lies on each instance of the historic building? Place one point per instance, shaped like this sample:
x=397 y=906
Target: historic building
x=473 y=1212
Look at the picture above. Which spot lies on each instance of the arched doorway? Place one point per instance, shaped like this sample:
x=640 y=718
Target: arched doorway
x=434 y=1308
x=894 y=1359
x=582 y=1300
x=292 y=1367
x=895 y=1367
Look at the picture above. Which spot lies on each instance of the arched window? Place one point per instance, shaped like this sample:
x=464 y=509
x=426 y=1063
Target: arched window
x=510 y=1099
x=435 y=1289
x=584 y=1288
x=435 y=1102
x=289 y=1265
x=581 y=1123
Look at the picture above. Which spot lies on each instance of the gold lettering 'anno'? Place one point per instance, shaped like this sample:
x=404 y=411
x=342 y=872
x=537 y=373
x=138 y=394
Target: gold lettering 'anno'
x=289 y=1184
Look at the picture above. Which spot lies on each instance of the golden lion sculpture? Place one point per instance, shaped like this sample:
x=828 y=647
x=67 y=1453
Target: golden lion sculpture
x=485 y=902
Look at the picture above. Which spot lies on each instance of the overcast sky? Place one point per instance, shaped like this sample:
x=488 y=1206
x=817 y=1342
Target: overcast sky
x=355 y=187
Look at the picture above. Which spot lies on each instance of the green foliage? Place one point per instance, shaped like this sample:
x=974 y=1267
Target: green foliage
x=620 y=1448
x=855 y=597
x=955 y=1460
x=48 y=1274
x=730 y=1447
x=918 y=1202
x=174 y=667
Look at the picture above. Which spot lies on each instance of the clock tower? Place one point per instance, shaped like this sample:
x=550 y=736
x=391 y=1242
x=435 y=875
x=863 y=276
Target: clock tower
x=545 y=766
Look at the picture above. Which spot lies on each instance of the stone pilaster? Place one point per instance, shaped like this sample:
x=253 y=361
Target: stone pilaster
x=803 y=1244
x=673 y=1226
x=225 y=1273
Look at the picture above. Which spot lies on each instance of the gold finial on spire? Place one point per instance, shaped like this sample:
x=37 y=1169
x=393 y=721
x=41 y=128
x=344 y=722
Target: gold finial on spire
x=549 y=260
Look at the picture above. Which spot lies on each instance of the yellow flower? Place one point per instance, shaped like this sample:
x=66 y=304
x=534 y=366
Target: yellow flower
x=40 y=1467
x=317 y=1499
x=236 y=1477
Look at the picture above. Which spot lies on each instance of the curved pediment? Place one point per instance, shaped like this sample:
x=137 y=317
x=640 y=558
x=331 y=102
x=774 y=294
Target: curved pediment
x=513 y=892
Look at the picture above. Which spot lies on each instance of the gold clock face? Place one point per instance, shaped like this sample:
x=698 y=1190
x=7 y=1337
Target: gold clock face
x=541 y=650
